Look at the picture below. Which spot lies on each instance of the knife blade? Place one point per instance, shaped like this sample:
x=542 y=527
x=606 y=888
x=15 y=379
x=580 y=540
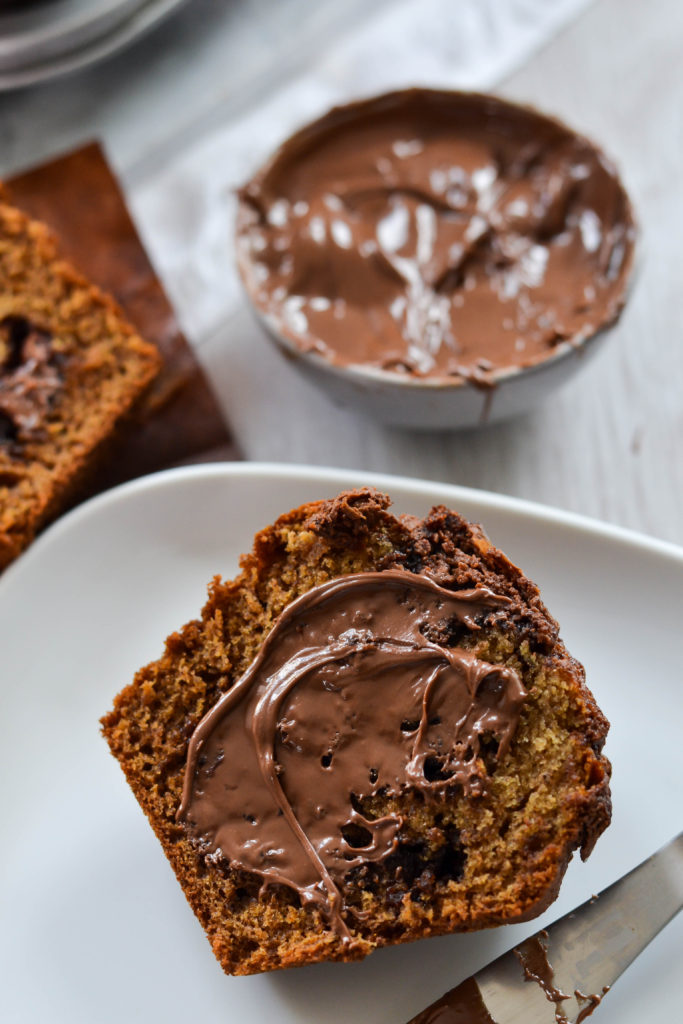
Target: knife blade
x=574 y=962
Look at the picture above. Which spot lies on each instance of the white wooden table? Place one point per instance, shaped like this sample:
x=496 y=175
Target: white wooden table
x=610 y=445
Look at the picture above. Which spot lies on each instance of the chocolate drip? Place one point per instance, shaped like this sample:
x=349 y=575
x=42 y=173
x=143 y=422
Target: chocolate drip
x=436 y=234
x=347 y=699
x=29 y=379
x=533 y=956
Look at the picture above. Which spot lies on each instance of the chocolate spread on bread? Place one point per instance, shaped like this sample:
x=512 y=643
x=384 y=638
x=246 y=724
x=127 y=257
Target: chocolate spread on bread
x=354 y=692
x=436 y=234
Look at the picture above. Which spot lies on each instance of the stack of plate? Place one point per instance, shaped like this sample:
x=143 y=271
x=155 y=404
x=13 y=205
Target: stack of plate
x=43 y=38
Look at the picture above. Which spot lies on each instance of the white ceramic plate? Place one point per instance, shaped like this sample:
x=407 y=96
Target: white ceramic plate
x=41 y=40
x=93 y=926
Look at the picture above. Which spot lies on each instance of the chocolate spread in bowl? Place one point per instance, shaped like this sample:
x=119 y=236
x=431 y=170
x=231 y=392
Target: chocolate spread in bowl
x=436 y=234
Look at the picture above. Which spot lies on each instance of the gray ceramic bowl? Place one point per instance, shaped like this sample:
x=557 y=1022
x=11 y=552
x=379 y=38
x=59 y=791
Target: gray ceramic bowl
x=437 y=400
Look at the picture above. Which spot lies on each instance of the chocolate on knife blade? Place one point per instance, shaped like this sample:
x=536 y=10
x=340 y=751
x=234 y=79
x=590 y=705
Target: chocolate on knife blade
x=561 y=974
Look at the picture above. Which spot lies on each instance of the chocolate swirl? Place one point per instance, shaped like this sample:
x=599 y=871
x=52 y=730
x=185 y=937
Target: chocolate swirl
x=29 y=379
x=355 y=692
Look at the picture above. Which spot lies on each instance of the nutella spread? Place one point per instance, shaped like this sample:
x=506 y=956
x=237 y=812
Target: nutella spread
x=355 y=692
x=29 y=379
x=436 y=234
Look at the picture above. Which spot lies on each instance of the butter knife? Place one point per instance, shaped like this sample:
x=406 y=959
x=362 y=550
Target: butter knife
x=562 y=973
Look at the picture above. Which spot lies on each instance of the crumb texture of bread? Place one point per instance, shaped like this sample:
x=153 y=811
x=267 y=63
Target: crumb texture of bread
x=71 y=369
x=461 y=863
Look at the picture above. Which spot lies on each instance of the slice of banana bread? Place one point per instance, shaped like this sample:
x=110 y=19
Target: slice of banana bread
x=70 y=370
x=373 y=734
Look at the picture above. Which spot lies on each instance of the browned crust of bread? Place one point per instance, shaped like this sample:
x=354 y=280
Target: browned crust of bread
x=106 y=367
x=495 y=859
